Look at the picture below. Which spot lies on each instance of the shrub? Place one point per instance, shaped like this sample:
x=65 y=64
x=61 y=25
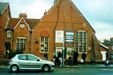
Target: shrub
x=13 y=53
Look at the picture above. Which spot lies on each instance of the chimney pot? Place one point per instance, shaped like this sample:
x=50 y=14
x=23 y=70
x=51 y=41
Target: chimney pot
x=24 y=15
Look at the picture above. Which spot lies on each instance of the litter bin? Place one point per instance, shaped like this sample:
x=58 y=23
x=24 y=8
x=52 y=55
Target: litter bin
x=93 y=61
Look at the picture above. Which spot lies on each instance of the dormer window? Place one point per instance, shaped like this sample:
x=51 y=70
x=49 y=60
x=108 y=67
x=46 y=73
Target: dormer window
x=9 y=33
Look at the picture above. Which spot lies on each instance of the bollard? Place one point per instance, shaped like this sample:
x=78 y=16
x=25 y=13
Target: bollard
x=93 y=61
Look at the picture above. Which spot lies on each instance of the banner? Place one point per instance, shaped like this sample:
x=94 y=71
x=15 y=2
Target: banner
x=69 y=36
x=59 y=37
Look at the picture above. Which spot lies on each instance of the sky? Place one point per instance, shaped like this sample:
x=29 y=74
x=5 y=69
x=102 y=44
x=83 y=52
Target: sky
x=99 y=13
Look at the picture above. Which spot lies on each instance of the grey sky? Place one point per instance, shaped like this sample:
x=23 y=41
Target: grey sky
x=99 y=13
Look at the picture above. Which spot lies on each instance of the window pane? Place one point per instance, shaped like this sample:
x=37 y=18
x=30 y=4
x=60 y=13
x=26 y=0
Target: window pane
x=76 y=33
x=25 y=40
x=46 y=50
x=24 y=46
x=21 y=40
x=46 y=43
x=22 y=57
x=42 y=50
x=21 y=45
x=17 y=46
x=8 y=33
x=42 y=45
x=42 y=38
x=32 y=58
x=46 y=38
x=17 y=40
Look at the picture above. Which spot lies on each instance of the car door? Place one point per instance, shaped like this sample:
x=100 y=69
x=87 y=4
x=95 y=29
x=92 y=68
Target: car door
x=22 y=61
x=34 y=62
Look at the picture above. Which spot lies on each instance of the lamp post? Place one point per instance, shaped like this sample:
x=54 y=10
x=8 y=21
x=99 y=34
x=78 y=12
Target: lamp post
x=63 y=49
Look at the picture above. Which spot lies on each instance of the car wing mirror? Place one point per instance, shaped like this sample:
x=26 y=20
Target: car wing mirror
x=38 y=60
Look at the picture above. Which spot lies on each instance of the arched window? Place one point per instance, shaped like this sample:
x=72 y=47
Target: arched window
x=44 y=44
x=44 y=41
x=81 y=41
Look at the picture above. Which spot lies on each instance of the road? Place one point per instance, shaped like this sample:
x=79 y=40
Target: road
x=64 y=71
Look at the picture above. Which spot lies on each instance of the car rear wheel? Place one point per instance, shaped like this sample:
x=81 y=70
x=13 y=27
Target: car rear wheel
x=46 y=68
x=14 y=68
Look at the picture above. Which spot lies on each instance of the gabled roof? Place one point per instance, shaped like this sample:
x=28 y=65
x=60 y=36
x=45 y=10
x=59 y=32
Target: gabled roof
x=66 y=15
x=3 y=6
x=104 y=46
x=83 y=16
x=13 y=22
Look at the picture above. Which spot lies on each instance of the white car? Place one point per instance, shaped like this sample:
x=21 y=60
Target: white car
x=29 y=61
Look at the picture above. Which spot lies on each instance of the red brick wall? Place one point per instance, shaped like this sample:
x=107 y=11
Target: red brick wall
x=59 y=18
x=3 y=19
x=19 y=32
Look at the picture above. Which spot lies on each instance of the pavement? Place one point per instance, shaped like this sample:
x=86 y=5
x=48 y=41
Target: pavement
x=89 y=66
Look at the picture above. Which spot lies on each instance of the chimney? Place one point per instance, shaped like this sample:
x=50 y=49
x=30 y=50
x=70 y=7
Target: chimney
x=45 y=12
x=24 y=15
x=105 y=40
x=111 y=39
x=55 y=1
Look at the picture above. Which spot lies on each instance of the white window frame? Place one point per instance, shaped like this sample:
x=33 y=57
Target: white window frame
x=9 y=33
x=21 y=42
x=81 y=43
x=43 y=45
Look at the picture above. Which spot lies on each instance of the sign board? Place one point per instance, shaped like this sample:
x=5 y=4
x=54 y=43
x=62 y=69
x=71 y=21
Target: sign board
x=59 y=36
x=69 y=36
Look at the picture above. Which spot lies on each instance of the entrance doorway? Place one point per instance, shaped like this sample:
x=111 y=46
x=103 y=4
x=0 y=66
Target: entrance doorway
x=7 y=48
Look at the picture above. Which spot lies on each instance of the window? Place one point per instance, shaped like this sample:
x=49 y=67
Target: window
x=9 y=33
x=32 y=58
x=20 y=43
x=22 y=57
x=81 y=41
x=22 y=25
x=44 y=44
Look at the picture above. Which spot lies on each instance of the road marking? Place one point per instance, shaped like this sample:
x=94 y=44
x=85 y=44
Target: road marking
x=104 y=69
x=72 y=70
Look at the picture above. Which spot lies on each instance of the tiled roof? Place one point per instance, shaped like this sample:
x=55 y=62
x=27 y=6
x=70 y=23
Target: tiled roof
x=104 y=46
x=3 y=7
x=32 y=22
x=108 y=43
x=13 y=22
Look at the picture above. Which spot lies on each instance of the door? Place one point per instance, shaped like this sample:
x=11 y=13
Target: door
x=103 y=55
x=22 y=62
x=34 y=62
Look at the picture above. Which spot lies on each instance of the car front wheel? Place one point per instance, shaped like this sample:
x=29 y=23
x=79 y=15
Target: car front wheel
x=46 y=68
x=14 y=68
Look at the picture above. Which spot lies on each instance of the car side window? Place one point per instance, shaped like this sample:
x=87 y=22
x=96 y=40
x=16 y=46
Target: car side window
x=32 y=58
x=22 y=57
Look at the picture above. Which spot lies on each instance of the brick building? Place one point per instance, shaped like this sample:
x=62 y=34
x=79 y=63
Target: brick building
x=62 y=27
x=109 y=44
x=4 y=18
